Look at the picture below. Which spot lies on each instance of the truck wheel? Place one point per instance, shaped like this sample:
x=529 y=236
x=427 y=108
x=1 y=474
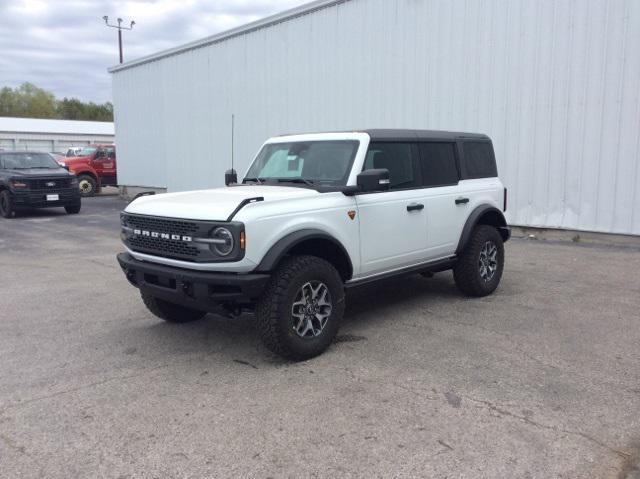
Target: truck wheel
x=173 y=313
x=88 y=185
x=301 y=309
x=6 y=204
x=479 y=269
x=73 y=209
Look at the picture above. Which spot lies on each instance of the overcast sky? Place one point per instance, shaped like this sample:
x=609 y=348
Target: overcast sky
x=65 y=47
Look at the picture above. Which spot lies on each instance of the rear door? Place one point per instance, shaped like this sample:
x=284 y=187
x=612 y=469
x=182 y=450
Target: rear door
x=447 y=208
x=393 y=227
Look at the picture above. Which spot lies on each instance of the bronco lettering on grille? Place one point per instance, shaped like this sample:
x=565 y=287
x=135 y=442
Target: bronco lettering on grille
x=165 y=236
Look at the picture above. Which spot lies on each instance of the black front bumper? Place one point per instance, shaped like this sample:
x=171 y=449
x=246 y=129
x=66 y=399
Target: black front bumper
x=196 y=289
x=38 y=198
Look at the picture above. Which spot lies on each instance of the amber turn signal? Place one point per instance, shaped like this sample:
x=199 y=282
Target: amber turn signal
x=242 y=240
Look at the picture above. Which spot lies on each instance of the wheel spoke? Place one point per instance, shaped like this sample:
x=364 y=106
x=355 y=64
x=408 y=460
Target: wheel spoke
x=311 y=309
x=488 y=261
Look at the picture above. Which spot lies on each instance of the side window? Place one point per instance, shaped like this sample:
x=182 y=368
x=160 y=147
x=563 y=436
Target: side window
x=111 y=153
x=398 y=158
x=438 y=164
x=479 y=160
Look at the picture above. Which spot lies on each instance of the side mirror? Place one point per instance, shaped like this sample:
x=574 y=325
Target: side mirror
x=230 y=177
x=373 y=180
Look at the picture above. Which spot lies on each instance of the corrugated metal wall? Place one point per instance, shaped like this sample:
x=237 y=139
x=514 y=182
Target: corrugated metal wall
x=555 y=83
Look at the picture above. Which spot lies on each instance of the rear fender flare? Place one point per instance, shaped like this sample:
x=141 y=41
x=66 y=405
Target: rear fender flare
x=475 y=218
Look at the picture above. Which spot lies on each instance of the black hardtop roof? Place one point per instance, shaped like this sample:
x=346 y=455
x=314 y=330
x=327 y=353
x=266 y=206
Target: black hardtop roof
x=398 y=134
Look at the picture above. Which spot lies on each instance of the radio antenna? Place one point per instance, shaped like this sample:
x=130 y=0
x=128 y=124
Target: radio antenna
x=233 y=120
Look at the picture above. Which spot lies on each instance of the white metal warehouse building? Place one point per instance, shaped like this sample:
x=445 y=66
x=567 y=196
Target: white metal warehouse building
x=52 y=135
x=555 y=83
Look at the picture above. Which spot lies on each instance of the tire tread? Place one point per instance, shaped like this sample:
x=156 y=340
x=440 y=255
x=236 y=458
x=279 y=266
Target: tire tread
x=267 y=308
x=172 y=313
x=466 y=274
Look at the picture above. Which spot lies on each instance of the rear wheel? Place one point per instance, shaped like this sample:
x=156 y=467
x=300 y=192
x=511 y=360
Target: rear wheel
x=173 y=313
x=73 y=209
x=6 y=204
x=300 y=312
x=479 y=269
x=88 y=185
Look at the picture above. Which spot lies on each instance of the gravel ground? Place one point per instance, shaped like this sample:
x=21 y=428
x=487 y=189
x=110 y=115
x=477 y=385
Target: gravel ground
x=539 y=380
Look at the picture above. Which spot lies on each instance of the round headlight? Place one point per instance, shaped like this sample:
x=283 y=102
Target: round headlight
x=224 y=241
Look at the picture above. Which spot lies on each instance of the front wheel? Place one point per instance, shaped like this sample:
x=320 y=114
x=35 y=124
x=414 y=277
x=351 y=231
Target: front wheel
x=479 y=269
x=88 y=185
x=72 y=209
x=6 y=204
x=173 y=313
x=300 y=312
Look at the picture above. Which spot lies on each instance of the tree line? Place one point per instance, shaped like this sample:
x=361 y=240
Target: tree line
x=30 y=101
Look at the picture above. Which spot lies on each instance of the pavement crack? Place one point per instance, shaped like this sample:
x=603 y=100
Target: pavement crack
x=530 y=422
x=79 y=388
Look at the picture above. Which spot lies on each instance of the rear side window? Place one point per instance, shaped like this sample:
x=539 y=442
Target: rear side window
x=438 y=164
x=398 y=158
x=479 y=160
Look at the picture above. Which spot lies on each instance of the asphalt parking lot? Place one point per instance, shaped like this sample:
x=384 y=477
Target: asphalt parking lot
x=540 y=380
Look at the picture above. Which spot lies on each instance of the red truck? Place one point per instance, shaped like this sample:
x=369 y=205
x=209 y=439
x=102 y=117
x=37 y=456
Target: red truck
x=95 y=167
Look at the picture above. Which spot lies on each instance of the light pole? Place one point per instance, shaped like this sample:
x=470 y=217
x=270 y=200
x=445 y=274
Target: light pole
x=120 y=28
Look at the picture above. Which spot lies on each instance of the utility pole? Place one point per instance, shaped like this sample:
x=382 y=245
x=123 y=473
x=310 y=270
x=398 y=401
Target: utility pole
x=120 y=28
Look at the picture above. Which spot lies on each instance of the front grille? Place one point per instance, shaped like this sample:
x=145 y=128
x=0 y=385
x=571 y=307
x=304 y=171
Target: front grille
x=176 y=238
x=45 y=183
x=165 y=247
x=169 y=248
x=152 y=223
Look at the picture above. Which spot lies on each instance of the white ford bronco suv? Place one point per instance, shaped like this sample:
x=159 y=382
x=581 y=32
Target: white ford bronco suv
x=317 y=214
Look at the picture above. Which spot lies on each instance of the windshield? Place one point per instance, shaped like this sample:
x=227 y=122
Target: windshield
x=311 y=162
x=87 y=151
x=23 y=161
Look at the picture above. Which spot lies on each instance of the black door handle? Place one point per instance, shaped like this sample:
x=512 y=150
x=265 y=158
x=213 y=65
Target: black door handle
x=462 y=201
x=415 y=207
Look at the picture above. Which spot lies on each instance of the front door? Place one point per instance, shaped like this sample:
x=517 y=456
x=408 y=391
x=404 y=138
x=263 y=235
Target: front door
x=393 y=226
x=105 y=164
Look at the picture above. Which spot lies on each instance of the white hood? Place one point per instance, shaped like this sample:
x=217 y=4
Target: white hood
x=216 y=204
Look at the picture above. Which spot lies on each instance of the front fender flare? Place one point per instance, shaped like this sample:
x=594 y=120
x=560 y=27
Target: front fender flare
x=288 y=242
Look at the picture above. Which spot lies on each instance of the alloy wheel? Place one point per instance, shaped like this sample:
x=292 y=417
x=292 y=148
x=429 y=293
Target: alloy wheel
x=488 y=261
x=311 y=309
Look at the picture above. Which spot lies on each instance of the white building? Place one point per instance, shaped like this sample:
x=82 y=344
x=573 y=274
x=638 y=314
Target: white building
x=52 y=135
x=556 y=84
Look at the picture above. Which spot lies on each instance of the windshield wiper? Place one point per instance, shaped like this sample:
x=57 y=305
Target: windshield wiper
x=257 y=180
x=296 y=180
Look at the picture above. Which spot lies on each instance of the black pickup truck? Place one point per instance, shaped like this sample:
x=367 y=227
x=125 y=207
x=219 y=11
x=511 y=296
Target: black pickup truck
x=34 y=179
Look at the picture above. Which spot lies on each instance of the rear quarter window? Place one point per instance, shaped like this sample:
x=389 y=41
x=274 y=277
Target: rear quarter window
x=479 y=160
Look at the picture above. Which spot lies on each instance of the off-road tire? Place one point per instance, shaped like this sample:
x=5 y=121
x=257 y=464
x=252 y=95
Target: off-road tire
x=467 y=271
x=173 y=313
x=82 y=179
x=275 y=322
x=6 y=204
x=73 y=209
